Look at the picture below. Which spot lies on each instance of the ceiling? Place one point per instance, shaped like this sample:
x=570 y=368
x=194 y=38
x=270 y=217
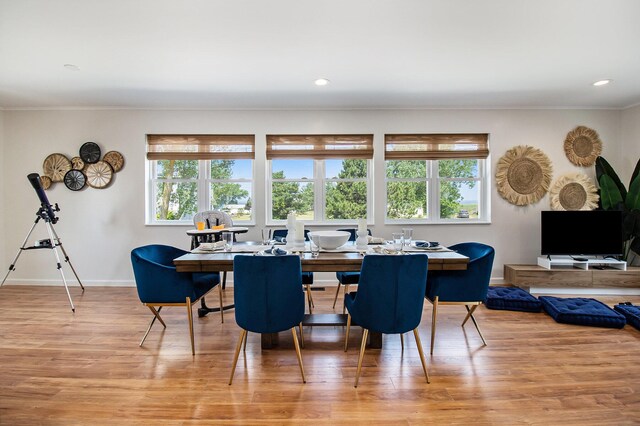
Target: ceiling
x=266 y=54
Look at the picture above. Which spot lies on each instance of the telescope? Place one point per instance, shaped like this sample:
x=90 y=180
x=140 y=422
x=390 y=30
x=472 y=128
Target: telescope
x=46 y=207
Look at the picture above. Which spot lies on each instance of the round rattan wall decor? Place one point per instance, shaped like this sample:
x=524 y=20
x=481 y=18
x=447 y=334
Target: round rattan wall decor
x=582 y=146
x=115 y=160
x=523 y=175
x=99 y=174
x=45 y=181
x=77 y=163
x=55 y=166
x=573 y=191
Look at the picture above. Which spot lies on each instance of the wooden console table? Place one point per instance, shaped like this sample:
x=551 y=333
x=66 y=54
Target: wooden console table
x=526 y=276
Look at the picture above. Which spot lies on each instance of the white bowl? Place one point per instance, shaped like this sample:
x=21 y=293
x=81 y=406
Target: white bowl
x=329 y=239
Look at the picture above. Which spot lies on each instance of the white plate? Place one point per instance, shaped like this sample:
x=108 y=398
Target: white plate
x=264 y=253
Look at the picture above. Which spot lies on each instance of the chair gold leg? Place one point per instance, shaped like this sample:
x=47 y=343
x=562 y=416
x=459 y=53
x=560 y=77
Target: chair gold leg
x=244 y=346
x=416 y=334
x=473 y=319
x=363 y=345
x=220 y=297
x=309 y=300
x=301 y=336
x=156 y=315
x=335 y=299
x=298 y=353
x=190 y=317
x=402 y=341
x=434 y=316
x=346 y=290
x=243 y=336
x=346 y=337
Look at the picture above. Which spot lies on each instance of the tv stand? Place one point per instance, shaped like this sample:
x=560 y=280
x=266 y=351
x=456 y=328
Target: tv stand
x=564 y=262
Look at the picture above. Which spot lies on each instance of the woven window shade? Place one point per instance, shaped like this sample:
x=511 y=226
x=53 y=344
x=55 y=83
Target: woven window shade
x=319 y=146
x=200 y=147
x=436 y=146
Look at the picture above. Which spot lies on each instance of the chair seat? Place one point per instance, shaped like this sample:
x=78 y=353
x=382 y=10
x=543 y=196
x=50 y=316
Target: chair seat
x=512 y=299
x=307 y=278
x=582 y=311
x=348 y=277
x=631 y=313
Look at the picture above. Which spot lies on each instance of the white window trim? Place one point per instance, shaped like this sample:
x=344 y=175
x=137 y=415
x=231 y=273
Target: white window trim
x=203 y=182
x=319 y=199
x=433 y=192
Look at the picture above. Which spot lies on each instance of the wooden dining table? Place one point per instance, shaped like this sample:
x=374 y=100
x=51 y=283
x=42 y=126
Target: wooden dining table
x=324 y=262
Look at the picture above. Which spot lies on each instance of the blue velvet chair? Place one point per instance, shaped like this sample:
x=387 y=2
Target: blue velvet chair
x=268 y=298
x=389 y=299
x=159 y=284
x=307 y=277
x=468 y=288
x=347 y=278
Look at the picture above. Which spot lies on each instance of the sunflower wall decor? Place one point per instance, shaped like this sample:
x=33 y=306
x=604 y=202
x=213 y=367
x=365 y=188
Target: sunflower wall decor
x=523 y=175
x=573 y=191
x=582 y=146
x=85 y=169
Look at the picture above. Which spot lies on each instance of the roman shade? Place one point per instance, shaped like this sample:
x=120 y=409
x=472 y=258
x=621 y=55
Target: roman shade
x=436 y=146
x=200 y=147
x=319 y=147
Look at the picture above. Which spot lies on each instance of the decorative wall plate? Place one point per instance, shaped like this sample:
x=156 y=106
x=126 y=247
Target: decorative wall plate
x=115 y=160
x=45 y=181
x=523 y=175
x=582 y=146
x=90 y=152
x=99 y=174
x=573 y=191
x=77 y=163
x=75 y=180
x=55 y=166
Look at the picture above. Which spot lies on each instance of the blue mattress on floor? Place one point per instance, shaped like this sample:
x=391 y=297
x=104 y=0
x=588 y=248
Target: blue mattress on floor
x=582 y=311
x=630 y=312
x=512 y=299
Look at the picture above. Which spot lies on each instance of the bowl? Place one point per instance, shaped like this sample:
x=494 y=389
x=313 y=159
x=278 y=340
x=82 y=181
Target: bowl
x=329 y=239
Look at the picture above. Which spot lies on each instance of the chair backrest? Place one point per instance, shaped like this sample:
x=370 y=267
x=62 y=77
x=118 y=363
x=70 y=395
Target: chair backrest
x=211 y=215
x=390 y=293
x=469 y=285
x=352 y=231
x=156 y=277
x=267 y=293
x=282 y=233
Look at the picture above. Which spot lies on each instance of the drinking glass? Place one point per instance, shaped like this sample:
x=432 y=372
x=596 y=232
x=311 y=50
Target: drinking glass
x=407 y=232
x=315 y=249
x=227 y=237
x=200 y=226
x=266 y=236
x=397 y=240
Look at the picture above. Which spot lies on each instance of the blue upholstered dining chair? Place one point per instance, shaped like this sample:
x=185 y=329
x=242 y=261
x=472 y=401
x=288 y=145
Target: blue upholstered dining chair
x=347 y=278
x=159 y=284
x=468 y=287
x=389 y=299
x=268 y=298
x=307 y=277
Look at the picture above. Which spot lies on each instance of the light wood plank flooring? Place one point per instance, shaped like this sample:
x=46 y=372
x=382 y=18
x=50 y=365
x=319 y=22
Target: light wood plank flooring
x=86 y=368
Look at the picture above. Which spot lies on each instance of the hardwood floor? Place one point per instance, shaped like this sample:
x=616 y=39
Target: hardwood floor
x=87 y=368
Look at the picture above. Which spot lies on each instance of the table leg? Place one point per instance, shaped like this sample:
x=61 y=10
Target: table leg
x=268 y=340
x=375 y=340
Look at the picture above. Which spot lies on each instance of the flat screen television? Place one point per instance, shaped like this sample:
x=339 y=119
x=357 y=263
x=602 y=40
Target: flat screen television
x=594 y=232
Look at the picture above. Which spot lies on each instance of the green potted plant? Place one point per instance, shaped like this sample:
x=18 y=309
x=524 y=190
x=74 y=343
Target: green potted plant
x=614 y=196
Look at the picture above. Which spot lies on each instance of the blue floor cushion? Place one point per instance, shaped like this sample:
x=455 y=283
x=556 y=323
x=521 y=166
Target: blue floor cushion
x=512 y=299
x=582 y=311
x=630 y=312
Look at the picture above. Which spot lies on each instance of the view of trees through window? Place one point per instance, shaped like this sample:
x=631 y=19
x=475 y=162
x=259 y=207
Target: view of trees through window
x=176 y=188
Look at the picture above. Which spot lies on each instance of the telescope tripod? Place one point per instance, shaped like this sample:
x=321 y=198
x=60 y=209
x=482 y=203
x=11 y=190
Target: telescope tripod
x=53 y=244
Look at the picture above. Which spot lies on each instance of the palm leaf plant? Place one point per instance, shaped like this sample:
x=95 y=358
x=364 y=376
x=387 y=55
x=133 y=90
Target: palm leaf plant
x=614 y=196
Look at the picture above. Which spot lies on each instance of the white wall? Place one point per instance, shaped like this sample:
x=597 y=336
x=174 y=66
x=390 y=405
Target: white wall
x=100 y=227
x=630 y=138
x=2 y=165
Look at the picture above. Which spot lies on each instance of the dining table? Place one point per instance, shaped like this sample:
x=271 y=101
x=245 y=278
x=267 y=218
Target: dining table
x=347 y=258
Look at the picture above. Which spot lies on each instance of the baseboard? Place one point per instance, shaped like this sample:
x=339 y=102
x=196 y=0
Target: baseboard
x=72 y=283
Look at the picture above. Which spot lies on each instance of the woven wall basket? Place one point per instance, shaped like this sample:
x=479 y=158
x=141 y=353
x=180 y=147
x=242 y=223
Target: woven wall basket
x=582 y=146
x=573 y=191
x=523 y=175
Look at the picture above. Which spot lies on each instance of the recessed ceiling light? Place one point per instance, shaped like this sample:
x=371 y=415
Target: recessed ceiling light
x=321 y=82
x=71 y=67
x=601 y=82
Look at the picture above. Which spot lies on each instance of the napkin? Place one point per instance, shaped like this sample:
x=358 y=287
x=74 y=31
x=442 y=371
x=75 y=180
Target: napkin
x=276 y=251
x=211 y=246
x=375 y=240
x=426 y=244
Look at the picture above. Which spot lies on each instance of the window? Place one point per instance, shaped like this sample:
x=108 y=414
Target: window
x=322 y=178
x=191 y=173
x=434 y=178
